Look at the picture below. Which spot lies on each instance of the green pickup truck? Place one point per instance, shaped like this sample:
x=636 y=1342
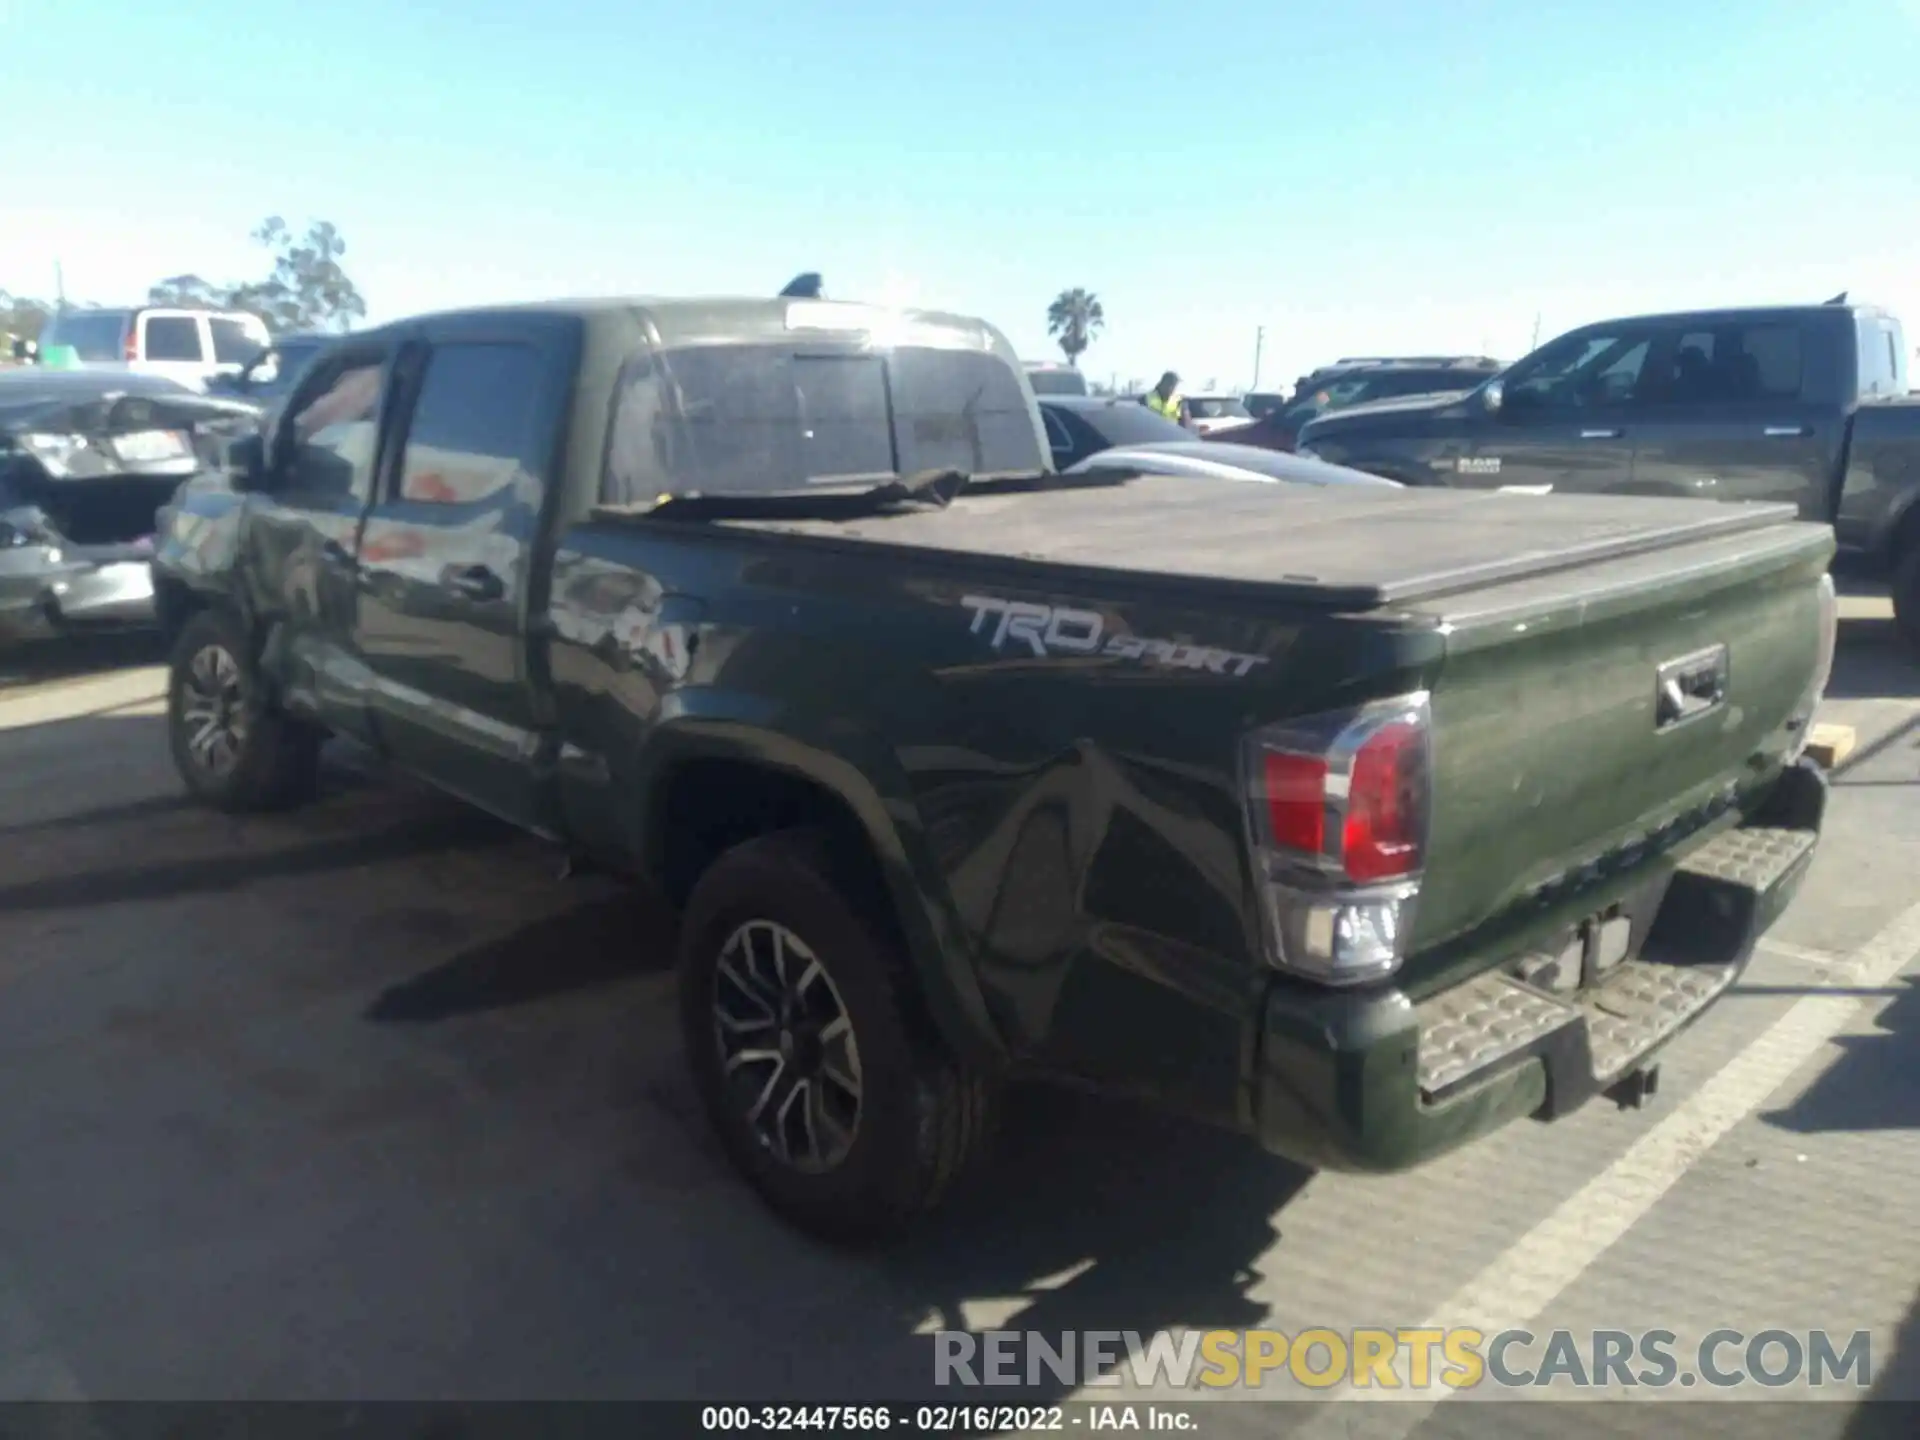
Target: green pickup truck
x=1360 y=821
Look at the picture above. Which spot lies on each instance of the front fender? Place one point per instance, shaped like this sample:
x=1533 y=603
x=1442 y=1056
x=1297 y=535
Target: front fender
x=198 y=547
x=865 y=776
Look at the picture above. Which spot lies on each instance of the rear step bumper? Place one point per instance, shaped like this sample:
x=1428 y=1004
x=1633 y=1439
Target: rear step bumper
x=1383 y=1083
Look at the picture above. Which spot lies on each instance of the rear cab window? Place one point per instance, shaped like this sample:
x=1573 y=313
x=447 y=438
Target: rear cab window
x=779 y=418
x=171 y=337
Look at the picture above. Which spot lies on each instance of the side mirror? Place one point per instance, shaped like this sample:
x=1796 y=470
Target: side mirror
x=1492 y=396
x=246 y=463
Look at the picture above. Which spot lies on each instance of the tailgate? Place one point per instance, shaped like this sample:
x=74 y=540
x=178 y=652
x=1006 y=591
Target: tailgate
x=1555 y=753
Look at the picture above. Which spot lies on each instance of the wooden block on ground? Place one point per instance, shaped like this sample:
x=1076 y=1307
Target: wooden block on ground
x=1830 y=745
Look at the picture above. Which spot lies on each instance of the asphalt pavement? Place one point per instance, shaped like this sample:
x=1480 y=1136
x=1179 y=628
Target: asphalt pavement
x=366 y=1102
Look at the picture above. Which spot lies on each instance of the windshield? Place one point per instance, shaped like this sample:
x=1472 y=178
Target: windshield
x=1057 y=382
x=1215 y=407
x=773 y=419
x=93 y=335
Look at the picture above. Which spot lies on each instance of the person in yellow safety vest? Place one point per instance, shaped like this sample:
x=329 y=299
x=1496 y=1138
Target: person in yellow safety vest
x=1166 y=399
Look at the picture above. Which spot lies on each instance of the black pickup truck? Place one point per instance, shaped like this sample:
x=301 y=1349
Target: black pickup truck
x=1807 y=406
x=1358 y=821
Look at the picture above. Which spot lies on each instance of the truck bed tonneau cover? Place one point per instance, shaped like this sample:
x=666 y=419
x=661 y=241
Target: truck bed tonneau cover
x=1353 y=549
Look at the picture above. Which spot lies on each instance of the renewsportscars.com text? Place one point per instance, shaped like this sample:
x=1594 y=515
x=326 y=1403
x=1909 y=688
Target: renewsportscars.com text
x=1461 y=1358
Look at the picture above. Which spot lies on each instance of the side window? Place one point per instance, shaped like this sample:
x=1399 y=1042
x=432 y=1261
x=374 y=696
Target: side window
x=472 y=435
x=1686 y=373
x=1581 y=372
x=1058 y=440
x=234 y=341
x=1879 y=356
x=173 y=337
x=330 y=437
x=1764 y=364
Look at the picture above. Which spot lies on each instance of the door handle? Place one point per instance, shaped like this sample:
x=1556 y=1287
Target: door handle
x=474 y=582
x=1600 y=434
x=1786 y=432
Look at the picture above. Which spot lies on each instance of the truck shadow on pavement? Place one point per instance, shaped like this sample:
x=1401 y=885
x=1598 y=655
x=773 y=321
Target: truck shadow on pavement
x=1094 y=1215
x=438 y=1094
x=582 y=948
x=1874 y=1084
x=1888 y=1411
x=1872 y=662
x=46 y=662
x=366 y=828
x=1088 y=1215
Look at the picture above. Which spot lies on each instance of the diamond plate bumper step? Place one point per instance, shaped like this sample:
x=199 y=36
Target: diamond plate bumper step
x=1492 y=1022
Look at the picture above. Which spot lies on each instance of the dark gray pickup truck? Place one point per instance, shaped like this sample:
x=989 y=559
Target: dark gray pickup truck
x=1361 y=821
x=1806 y=405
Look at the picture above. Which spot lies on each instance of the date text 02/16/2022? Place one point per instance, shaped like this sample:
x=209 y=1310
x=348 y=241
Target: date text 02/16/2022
x=943 y=1419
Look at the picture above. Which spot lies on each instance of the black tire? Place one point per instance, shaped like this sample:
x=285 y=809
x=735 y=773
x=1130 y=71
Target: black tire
x=266 y=760
x=922 y=1117
x=1906 y=596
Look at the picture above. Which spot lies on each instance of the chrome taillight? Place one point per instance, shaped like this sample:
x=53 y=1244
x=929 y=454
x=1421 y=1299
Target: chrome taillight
x=1338 y=810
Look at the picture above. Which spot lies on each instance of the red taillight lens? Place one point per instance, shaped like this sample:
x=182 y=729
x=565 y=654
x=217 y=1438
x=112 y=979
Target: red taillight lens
x=131 y=351
x=1296 y=787
x=1337 y=810
x=1348 y=793
x=1386 y=791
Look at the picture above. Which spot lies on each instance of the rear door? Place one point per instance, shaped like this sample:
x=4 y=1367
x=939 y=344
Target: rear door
x=302 y=531
x=1565 y=423
x=1736 y=414
x=173 y=343
x=450 y=568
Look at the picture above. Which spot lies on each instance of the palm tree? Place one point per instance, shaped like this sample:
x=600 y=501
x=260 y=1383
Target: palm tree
x=1074 y=318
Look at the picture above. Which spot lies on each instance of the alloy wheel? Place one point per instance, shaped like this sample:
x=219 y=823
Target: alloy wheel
x=213 y=709
x=788 y=1053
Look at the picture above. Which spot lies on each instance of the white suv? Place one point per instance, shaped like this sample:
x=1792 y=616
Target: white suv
x=184 y=345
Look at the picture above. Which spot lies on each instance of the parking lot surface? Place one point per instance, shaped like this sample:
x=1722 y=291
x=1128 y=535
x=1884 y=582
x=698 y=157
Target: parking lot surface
x=366 y=1102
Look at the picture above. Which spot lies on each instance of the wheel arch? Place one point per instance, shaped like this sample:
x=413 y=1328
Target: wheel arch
x=710 y=786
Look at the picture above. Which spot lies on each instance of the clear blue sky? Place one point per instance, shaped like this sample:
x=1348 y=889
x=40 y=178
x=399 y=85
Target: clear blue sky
x=1363 y=176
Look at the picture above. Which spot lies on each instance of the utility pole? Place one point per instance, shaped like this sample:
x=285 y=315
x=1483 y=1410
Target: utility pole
x=1535 y=345
x=1259 y=340
x=59 y=286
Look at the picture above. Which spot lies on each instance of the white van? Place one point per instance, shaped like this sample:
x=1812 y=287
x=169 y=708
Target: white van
x=181 y=344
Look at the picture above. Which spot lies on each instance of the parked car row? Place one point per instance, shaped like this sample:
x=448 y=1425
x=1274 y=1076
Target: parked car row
x=181 y=344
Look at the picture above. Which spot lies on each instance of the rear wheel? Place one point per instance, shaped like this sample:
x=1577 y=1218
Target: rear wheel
x=1906 y=597
x=832 y=1097
x=231 y=748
